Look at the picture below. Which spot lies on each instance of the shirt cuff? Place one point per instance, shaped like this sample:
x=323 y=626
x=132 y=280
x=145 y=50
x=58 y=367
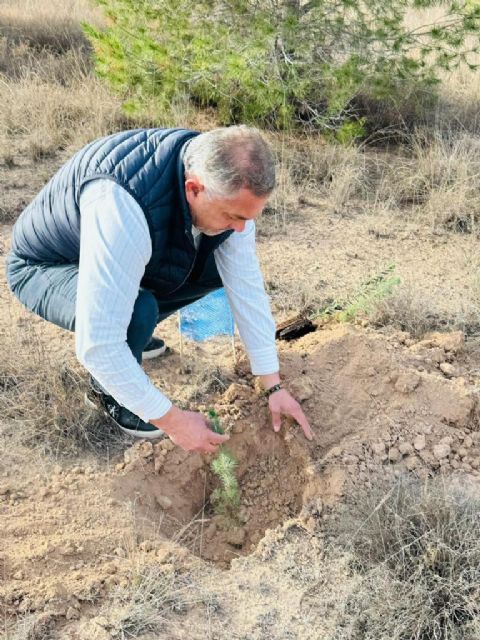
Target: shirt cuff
x=153 y=406
x=264 y=361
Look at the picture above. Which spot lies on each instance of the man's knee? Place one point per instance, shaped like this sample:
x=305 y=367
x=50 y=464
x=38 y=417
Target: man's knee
x=145 y=312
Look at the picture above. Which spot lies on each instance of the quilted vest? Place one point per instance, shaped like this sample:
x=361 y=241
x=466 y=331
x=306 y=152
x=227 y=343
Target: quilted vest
x=148 y=164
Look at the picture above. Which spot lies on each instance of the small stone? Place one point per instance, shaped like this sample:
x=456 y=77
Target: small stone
x=67 y=550
x=168 y=445
x=119 y=552
x=407 y=382
x=441 y=450
x=453 y=341
x=335 y=452
x=448 y=369
x=164 y=502
x=236 y=537
x=468 y=442
x=411 y=462
x=462 y=452
x=146 y=449
x=120 y=466
x=419 y=443
x=158 y=464
x=394 y=454
x=405 y=448
x=147 y=546
x=378 y=448
x=18 y=575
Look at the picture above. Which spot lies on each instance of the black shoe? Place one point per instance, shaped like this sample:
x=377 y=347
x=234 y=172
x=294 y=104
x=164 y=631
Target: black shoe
x=154 y=348
x=124 y=419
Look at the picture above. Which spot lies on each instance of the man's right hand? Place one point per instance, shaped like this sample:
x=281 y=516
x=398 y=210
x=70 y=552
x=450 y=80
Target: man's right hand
x=190 y=431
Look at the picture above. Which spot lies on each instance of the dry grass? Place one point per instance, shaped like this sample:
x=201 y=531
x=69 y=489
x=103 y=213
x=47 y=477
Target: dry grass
x=42 y=118
x=418 y=550
x=50 y=99
x=42 y=397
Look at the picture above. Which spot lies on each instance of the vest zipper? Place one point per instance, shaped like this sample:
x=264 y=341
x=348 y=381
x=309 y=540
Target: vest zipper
x=191 y=267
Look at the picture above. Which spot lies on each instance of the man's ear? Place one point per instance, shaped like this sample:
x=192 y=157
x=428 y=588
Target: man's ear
x=194 y=186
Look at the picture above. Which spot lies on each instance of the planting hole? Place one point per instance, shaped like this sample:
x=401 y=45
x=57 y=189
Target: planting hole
x=171 y=493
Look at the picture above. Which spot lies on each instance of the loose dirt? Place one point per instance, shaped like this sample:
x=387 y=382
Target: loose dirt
x=379 y=404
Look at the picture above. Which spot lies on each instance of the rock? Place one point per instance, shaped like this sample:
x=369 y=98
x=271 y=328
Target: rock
x=236 y=536
x=18 y=575
x=158 y=463
x=67 y=550
x=120 y=466
x=453 y=341
x=411 y=462
x=468 y=442
x=462 y=452
x=378 y=448
x=419 y=443
x=407 y=382
x=405 y=448
x=168 y=445
x=441 y=450
x=146 y=449
x=448 y=369
x=335 y=452
x=394 y=454
x=459 y=412
x=164 y=502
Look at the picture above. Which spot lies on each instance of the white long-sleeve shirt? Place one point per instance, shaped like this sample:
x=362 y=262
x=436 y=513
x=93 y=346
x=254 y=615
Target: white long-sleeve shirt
x=115 y=247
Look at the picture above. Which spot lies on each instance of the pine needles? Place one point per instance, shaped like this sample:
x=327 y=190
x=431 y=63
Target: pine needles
x=226 y=497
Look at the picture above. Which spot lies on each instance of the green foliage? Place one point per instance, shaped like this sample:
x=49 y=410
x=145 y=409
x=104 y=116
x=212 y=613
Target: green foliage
x=278 y=65
x=226 y=498
x=371 y=292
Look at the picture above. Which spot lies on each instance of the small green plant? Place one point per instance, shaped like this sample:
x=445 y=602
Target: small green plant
x=226 y=497
x=371 y=292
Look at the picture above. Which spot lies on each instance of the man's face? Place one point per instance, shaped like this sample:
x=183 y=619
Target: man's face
x=213 y=216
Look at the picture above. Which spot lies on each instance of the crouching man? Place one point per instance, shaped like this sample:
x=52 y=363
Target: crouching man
x=133 y=227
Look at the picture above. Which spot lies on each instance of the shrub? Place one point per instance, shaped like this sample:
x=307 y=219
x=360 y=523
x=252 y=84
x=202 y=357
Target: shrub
x=292 y=62
x=418 y=550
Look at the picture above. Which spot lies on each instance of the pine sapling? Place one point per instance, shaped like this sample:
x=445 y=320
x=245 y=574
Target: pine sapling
x=226 y=498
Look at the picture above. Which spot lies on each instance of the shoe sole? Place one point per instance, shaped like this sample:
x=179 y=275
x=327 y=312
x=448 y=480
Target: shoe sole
x=149 y=435
x=154 y=353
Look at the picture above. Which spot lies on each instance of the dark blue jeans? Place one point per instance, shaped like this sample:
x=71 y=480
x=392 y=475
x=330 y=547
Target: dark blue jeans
x=50 y=291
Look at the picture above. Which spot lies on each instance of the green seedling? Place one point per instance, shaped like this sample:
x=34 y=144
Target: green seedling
x=226 y=498
x=363 y=303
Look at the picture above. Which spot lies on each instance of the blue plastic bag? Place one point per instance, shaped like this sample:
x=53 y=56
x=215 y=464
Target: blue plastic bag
x=209 y=317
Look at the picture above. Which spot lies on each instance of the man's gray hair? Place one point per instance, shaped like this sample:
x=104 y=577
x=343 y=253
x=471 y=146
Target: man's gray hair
x=229 y=159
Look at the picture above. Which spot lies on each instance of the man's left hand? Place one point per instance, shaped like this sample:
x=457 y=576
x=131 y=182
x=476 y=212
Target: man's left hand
x=282 y=403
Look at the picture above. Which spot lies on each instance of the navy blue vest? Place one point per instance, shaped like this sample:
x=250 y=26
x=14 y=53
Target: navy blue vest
x=148 y=164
